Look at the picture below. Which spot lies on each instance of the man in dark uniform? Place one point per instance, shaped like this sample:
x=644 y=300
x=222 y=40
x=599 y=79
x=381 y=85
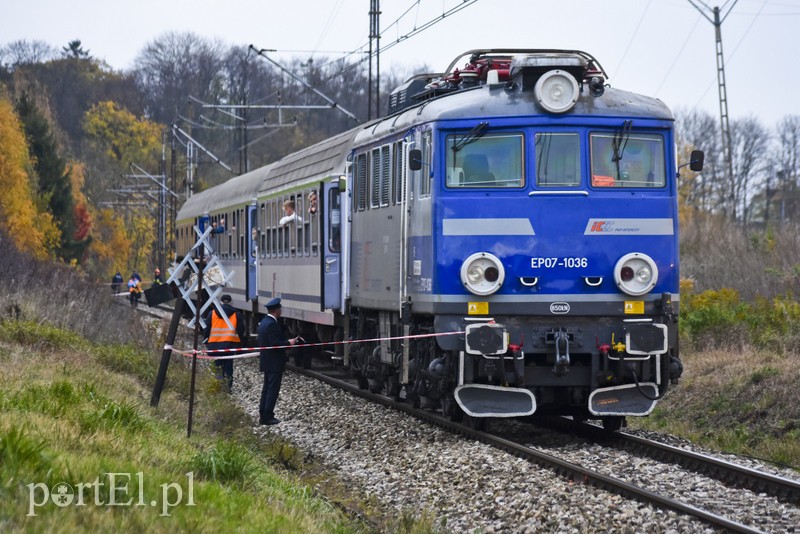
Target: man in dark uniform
x=222 y=336
x=272 y=361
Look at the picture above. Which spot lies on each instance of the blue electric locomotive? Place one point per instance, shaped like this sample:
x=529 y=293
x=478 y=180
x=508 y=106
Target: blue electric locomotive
x=507 y=236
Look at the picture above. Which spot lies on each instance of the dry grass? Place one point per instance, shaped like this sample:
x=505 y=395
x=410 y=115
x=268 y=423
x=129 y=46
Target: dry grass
x=740 y=401
x=717 y=254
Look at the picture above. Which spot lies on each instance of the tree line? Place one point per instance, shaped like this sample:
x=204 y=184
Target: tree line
x=83 y=125
x=75 y=127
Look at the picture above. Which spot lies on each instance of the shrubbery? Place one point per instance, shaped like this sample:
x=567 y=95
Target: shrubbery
x=719 y=318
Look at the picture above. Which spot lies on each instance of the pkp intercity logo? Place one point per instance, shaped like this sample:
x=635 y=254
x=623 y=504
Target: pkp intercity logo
x=116 y=491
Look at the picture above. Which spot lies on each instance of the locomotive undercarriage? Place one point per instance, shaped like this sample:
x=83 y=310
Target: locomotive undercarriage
x=594 y=369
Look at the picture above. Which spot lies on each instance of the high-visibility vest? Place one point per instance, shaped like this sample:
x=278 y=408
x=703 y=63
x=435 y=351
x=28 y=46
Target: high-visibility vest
x=220 y=331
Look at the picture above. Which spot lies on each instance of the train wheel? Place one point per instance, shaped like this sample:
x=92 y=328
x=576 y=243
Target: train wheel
x=412 y=398
x=476 y=423
x=451 y=409
x=612 y=424
x=393 y=389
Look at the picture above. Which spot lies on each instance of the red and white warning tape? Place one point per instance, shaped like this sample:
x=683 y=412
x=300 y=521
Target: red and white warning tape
x=250 y=351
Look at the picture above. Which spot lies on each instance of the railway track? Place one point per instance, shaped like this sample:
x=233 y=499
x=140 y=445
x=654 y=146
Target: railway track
x=729 y=473
x=726 y=472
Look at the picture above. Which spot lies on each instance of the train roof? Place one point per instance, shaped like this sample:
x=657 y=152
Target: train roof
x=238 y=190
x=498 y=102
x=309 y=165
x=508 y=95
x=313 y=163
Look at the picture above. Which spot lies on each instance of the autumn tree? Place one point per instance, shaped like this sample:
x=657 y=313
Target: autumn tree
x=121 y=138
x=26 y=52
x=30 y=229
x=111 y=245
x=54 y=185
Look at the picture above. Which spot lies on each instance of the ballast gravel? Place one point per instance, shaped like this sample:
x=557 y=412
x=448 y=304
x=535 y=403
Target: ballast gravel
x=414 y=469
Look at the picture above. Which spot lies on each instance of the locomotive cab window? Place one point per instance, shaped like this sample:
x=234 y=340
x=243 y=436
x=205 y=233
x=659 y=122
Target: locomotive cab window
x=488 y=161
x=627 y=161
x=558 y=159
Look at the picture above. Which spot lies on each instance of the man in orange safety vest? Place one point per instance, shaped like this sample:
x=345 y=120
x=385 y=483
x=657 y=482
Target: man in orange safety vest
x=221 y=336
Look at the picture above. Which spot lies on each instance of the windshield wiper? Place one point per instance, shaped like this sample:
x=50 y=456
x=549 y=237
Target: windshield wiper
x=621 y=137
x=470 y=137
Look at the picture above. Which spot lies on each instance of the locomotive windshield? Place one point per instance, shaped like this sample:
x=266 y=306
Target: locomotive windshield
x=638 y=162
x=490 y=161
x=558 y=159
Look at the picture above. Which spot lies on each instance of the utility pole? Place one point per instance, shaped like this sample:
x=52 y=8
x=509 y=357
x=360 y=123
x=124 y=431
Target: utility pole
x=137 y=190
x=374 y=35
x=727 y=145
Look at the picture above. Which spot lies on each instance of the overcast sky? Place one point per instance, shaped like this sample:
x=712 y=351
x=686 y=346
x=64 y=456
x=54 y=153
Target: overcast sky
x=663 y=48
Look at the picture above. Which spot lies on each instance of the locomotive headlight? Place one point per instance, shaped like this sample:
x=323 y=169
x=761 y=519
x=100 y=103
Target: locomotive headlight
x=636 y=273
x=556 y=91
x=482 y=273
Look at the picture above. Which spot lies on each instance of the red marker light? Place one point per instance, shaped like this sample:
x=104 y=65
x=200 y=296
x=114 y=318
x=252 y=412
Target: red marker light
x=626 y=274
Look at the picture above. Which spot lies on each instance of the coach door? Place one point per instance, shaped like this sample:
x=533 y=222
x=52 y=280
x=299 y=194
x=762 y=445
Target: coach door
x=251 y=240
x=331 y=276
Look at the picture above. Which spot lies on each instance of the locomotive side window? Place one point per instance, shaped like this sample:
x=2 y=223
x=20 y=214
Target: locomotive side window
x=398 y=173
x=489 y=161
x=631 y=161
x=558 y=159
x=425 y=173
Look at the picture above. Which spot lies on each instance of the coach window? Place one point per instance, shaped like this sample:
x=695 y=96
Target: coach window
x=299 y=223
x=635 y=160
x=558 y=159
x=262 y=227
x=273 y=228
x=490 y=161
x=240 y=229
x=312 y=222
x=334 y=221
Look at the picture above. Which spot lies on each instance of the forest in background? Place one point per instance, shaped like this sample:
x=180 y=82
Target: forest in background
x=80 y=143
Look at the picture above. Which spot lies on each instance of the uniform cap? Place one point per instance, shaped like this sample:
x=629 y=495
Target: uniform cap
x=274 y=303
x=226 y=298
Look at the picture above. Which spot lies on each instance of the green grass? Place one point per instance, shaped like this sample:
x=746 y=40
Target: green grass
x=742 y=401
x=74 y=413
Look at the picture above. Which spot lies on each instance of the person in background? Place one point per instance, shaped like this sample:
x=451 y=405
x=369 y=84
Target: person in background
x=222 y=336
x=157 y=280
x=116 y=282
x=135 y=289
x=272 y=361
x=290 y=215
x=312 y=203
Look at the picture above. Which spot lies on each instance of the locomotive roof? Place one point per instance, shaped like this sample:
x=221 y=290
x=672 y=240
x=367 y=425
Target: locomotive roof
x=489 y=101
